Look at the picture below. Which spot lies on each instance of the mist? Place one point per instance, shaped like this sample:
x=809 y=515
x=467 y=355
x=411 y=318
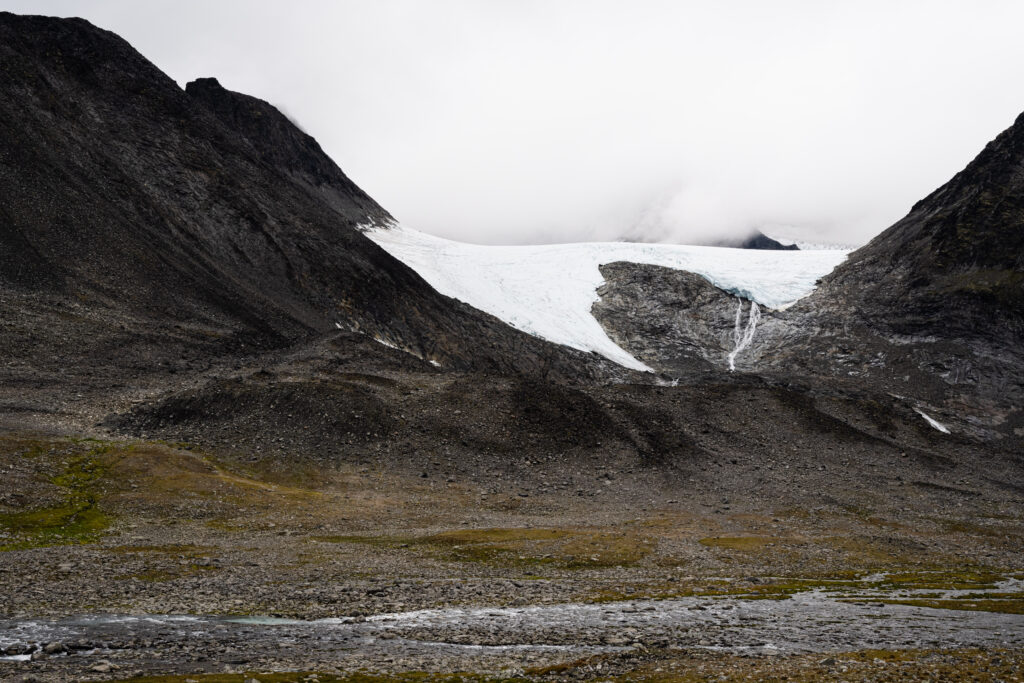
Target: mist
x=525 y=122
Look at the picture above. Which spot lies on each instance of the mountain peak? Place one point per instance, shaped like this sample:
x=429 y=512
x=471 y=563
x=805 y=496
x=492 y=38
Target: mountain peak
x=757 y=240
x=204 y=83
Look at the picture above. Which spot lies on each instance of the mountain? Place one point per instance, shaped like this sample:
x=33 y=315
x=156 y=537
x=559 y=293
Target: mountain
x=146 y=226
x=162 y=248
x=954 y=266
x=934 y=306
x=282 y=145
x=931 y=311
x=154 y=227
x=758 y=240
x=755 y=240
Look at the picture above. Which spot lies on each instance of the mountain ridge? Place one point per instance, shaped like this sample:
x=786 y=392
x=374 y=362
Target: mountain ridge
x=957 y=258
x=131 y=195
x=281 y=143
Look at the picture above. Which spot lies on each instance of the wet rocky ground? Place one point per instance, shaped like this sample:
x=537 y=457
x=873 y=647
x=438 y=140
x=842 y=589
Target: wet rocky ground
x=507 y=640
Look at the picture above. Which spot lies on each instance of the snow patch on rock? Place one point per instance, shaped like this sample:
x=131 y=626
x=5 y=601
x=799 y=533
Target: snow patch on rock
x=932 y=421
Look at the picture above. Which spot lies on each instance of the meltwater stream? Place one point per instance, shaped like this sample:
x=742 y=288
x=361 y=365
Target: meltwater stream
x=468 y=638
x=742 y=337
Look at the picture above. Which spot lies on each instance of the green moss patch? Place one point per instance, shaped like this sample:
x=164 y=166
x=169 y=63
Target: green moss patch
x=1001 y=605
x=77 y=518
x=745 y=543
x=862 y=665
x=942 y=579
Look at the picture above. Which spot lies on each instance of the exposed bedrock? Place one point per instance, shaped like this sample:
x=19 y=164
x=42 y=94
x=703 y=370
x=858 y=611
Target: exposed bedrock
x=674 y=321
x=681 y=325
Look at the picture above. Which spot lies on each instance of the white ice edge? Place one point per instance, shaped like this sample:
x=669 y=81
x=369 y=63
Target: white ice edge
x=548 y=290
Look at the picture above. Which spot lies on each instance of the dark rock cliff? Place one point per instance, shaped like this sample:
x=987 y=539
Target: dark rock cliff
x=935 y=304
x=674 y=321
x=293 y=152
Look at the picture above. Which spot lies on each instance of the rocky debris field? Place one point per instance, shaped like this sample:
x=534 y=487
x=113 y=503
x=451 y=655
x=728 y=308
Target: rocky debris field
x=344 y=480
x=513 y=640
x=357 y=567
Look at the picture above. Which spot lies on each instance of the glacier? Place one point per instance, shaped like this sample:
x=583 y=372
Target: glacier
x=548 y=290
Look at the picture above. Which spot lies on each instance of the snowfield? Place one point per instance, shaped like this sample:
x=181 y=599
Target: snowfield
x=548 y=290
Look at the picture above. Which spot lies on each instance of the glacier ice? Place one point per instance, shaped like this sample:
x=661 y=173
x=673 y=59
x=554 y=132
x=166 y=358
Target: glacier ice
x=548 y=290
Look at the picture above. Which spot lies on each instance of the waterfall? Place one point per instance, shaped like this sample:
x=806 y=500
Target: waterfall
x=736 y=333
x=743 y=336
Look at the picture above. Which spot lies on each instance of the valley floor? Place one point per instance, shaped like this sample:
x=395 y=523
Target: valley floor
x=606 y=582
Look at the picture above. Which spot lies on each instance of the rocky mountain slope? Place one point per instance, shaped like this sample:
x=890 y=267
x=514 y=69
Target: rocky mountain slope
x=954 y=266
x=934 y=306
x=148 y=227
x=930 y=311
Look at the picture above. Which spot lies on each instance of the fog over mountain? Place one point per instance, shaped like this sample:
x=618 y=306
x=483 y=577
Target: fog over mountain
x=499 y=122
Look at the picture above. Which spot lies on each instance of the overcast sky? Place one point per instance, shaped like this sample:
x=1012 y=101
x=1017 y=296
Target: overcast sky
x=561 y=120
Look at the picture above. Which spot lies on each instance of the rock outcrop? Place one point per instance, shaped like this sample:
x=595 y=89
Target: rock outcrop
x=931 y=311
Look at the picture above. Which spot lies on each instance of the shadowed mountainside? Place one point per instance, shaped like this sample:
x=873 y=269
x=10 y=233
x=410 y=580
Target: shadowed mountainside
x=130 y=203
x=758 y=240
x=954 y=266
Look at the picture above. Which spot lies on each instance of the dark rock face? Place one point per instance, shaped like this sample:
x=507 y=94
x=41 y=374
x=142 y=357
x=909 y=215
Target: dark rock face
x=204 y=215
x=674 y=321
x=682 y=326
x=282 y=145
x=936 y=302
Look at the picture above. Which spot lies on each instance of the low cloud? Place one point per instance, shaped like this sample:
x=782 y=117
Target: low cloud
x=506 y=122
